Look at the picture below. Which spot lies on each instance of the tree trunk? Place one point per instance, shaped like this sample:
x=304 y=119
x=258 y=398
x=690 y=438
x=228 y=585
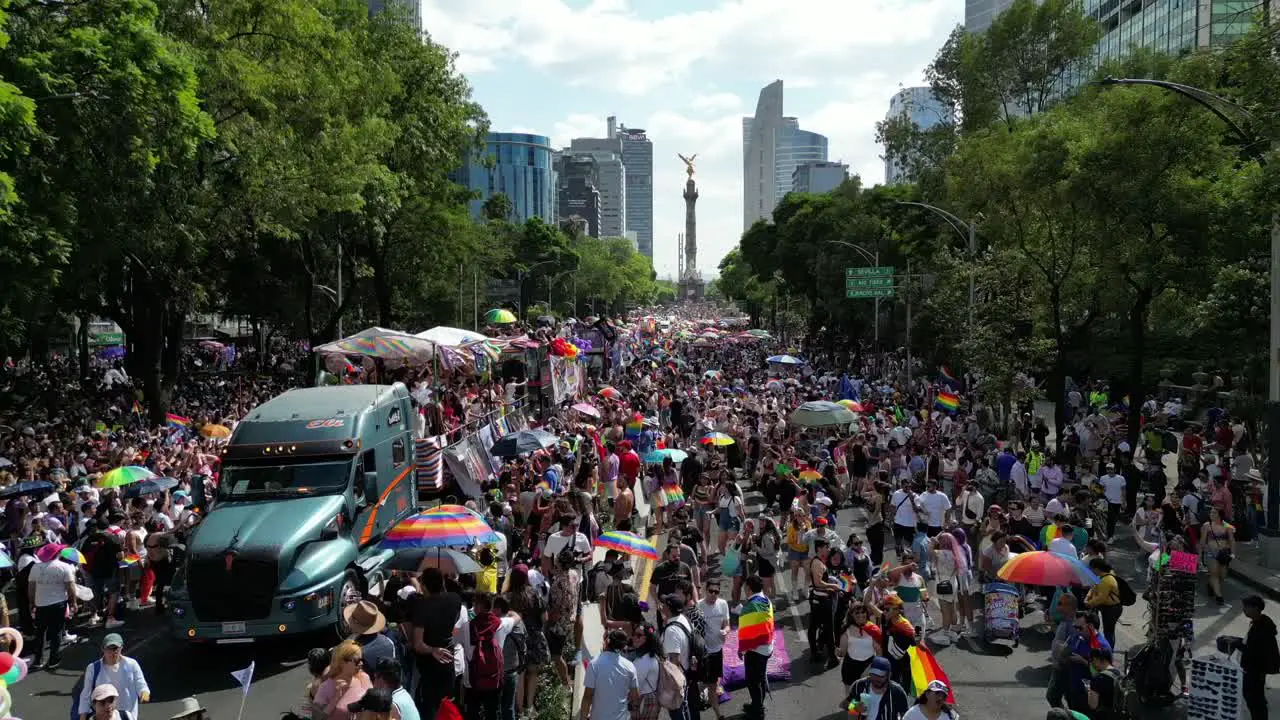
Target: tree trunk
x=82 y=345
x=1057 y=380
x=383 y=293
x=1138 y=338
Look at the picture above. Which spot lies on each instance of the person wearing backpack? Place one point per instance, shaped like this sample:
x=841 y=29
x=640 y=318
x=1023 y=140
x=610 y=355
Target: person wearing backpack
x=611 y=682
x=515 y=654
x=1259 y=656
x=485 y=664
x=678 y=674
x=1105 y=689
x=1106 y=597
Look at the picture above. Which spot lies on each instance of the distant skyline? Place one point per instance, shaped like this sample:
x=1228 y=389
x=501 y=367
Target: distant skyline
x=688 y=71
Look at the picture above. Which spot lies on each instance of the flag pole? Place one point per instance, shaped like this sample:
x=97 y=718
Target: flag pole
x=243 y=697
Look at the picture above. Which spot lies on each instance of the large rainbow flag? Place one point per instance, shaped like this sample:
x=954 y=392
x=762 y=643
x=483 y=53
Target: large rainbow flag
x=925 y=669
x=755 y=624
x=177 y=420
x=947 y=401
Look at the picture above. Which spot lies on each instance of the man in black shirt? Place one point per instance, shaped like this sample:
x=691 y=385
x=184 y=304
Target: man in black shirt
x=103 y=550
x=435 y=616
x=668 y=573
x=1260 y=656
x=1104 y=691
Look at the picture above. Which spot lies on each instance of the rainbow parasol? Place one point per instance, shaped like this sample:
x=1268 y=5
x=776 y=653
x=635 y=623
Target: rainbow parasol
x=608 y=392
x=72 y=555
x=498 y=316
x=810 y=475
x=1046 y=569
x=121 y=476
x=716 y=439
x=850 y=405
x=627 y=544
x=439 y=528
x=587 y=409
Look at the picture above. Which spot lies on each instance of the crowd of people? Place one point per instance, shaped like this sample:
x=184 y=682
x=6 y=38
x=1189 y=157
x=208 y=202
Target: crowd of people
x=941 y=498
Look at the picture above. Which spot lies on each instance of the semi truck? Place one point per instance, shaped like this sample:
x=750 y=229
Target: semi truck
x=309 y=483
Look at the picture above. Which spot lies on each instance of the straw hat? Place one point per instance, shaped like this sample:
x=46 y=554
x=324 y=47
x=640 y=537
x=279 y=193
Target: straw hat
x=364 y=618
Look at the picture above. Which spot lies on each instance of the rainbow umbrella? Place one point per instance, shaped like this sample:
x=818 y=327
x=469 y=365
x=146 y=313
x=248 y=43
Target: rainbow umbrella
x=608 y=392
x=810 y=475
x=1046 y=569
x=121 y=476
x=716 y=439
x=72 y=555
x=627 y=544
x=850 y=405
x=439 y=528
x=498 y=316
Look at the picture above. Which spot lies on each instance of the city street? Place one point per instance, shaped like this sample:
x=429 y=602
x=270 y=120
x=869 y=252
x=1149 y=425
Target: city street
x=1006 y=683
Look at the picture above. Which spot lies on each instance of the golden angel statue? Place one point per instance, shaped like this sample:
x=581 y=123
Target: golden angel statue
x=688 y=162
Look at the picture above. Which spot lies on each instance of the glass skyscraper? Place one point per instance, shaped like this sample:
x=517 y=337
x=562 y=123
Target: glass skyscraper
x=522 y=169
x=924 y=110
x=773 y=145
x=794 y=147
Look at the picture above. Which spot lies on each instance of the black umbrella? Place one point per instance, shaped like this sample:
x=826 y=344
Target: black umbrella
x=411 y=559
x=150 y=486
x=523 y=443
x=30 y=487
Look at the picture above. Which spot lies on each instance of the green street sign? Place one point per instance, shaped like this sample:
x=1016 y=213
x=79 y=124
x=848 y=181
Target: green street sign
x=106 y=338
x=873 y=271
x=874 y=292
x=866 y=282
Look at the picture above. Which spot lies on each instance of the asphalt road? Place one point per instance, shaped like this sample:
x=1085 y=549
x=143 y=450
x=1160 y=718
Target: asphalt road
x=995 y=683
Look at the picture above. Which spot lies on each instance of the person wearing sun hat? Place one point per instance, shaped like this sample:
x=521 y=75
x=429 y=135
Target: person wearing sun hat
x=366 y=623
x=189 y=709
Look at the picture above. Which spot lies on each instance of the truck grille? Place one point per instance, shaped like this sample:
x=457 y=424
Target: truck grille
x=245 y=593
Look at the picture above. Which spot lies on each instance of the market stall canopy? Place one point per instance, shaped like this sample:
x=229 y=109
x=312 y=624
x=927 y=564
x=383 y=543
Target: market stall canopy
x=453 y=337
x=391 y=346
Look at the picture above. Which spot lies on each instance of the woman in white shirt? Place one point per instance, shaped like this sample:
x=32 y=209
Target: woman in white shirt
x=646 y=651
x=859 y=643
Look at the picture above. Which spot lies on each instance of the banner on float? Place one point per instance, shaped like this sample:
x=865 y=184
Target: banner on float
x=566 y=378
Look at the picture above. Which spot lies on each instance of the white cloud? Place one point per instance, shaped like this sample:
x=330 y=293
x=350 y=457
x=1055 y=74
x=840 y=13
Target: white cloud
x=691 y=77
x=718 y=102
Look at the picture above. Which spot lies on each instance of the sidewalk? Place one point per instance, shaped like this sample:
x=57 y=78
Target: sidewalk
x=1248 y=569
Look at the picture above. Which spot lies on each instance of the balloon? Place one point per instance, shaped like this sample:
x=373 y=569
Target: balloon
x=15 y=640
x=17 y=673
x=6 y=702
x=7 y=661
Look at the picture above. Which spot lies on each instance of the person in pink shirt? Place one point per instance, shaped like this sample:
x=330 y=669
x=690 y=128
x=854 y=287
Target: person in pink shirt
x=345 y=682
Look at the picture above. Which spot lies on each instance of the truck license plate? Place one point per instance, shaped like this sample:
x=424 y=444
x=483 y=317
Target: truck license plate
x=233 y=628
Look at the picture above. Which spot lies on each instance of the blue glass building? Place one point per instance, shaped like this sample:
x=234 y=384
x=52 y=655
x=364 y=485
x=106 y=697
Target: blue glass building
x=794 y=148
x=519 y=166
x=924 y=110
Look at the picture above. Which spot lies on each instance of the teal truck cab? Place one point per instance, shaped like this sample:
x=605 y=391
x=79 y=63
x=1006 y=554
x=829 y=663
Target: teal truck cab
x=310 y=482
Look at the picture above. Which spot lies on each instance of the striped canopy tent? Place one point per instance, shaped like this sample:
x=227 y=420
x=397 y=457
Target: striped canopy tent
x=391 y=347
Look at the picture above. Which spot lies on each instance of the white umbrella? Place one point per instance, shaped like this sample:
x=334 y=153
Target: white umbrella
x=451 y=336
x=820 y=413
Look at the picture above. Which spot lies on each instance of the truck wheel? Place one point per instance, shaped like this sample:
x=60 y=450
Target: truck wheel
x=349 y=593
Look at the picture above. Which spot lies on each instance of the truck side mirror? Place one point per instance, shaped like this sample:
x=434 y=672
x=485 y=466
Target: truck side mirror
x=370 y=488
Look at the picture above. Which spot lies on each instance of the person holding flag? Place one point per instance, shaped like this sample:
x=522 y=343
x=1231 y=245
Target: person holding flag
x=755 y=645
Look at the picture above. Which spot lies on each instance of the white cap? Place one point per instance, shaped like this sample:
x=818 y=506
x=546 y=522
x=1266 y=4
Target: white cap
x=104 y=691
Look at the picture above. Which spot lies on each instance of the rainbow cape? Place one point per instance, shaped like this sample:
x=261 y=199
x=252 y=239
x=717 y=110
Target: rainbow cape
x=925 y=669
x=947 y=401
x=755 y=624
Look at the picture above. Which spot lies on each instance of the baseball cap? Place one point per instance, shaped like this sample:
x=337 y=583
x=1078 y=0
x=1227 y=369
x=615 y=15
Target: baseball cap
x=880 y=666
x=104 y=691
x=820 y=521
x=112 y=640
x=938 y=686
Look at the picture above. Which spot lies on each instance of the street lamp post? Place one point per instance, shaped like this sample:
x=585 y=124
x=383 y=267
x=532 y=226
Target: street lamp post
x=967 y=230
x=1219 y=106
x=875 y=260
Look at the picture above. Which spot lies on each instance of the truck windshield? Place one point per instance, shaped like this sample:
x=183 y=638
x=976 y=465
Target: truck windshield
x=313 y=478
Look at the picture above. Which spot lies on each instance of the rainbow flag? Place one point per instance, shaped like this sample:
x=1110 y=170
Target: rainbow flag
x=846 y=582
x=177 y=420
x=1048 y=534
x=924 y=670
x=947 y=401
x=755 y=624
x=130 y=559
x=137 y=408
x=945 y=373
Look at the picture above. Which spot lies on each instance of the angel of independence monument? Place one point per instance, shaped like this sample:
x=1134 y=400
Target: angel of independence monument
x=691 y=285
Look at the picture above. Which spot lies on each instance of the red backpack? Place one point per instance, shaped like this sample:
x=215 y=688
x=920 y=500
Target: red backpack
x=486 y=663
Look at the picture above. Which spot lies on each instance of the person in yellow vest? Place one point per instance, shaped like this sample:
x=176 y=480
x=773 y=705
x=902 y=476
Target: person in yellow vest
x=1035 y=459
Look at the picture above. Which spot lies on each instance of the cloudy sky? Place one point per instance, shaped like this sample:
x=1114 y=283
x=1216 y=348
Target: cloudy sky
x=687 y=71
